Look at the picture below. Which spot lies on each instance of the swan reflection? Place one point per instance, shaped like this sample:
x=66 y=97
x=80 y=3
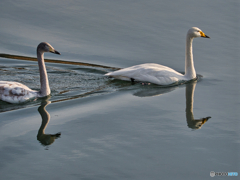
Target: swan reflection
x=190 y=88
x=45 y=139
x=155 y=91
x=192 y=123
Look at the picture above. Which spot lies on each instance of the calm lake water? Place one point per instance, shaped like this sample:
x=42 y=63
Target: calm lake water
x=111 y=129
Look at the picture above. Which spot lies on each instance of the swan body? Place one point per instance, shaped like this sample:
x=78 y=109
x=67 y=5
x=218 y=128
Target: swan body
x=14 y=92
x=159 y=74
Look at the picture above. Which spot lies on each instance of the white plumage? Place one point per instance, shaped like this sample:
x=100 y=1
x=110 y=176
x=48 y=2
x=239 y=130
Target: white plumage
x=159 y=74
x=14 y=92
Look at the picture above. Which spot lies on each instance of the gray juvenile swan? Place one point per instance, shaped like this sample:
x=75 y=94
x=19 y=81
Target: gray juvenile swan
x=159 y=74
x=14 y=92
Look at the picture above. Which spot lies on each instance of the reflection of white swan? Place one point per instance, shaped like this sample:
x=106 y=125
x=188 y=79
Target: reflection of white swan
x=190 y=88
x=45 y=139
x=154 y=91
x=159 y=74
x=192 y=123
x=14 y=92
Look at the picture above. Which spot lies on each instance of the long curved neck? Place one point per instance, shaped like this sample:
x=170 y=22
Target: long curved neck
x=190 y=72
x=45 y=89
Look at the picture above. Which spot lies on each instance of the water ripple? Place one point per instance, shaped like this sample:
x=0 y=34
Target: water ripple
x=68 y=80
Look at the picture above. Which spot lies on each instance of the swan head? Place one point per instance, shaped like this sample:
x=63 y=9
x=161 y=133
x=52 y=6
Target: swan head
x=196 y=32
x=46 y=47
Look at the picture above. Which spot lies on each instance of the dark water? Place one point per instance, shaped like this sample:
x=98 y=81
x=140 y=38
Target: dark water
x=112 y=129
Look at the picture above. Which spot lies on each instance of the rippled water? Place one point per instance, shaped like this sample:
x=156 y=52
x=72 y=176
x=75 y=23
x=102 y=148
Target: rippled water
x=66 y=81
x=93 y=127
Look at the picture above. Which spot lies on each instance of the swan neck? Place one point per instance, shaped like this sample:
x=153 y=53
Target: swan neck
x=190 y=72
x=45 y=89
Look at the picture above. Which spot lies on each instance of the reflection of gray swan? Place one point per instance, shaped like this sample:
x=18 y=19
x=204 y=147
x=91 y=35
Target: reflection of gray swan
x=190 y=88
x=192 y=123
x=45 y=139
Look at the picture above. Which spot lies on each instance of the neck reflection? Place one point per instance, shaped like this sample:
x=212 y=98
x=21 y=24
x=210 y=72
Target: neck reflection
x=191 y=122
x=190 y=88
x=45 y=139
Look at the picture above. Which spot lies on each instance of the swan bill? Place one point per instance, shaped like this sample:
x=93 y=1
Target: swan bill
x=203 y=35
x=54 y=51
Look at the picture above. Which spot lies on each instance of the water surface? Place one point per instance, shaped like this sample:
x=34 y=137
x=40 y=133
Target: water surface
x=112 y=129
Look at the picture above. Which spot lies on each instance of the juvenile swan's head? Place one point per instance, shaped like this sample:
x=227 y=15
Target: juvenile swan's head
x=46 y=47
x=196 y=32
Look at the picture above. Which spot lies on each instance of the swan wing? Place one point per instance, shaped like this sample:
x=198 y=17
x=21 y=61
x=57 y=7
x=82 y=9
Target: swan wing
x=149 y=72
x=14 y=92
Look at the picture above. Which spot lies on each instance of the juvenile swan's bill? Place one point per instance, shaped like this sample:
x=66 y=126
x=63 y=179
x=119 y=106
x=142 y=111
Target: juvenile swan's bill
x=14 y=92
x=159 y=74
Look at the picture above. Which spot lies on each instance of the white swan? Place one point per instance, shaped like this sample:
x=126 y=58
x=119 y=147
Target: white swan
x=159 y=74
x=14 y=92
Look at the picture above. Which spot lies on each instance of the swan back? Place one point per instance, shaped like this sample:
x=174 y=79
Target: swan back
x=149 y=72
x=14 y=92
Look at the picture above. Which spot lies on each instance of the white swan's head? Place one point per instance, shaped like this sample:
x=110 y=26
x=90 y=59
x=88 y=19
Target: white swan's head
x=46 y=47
x=196 y=32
